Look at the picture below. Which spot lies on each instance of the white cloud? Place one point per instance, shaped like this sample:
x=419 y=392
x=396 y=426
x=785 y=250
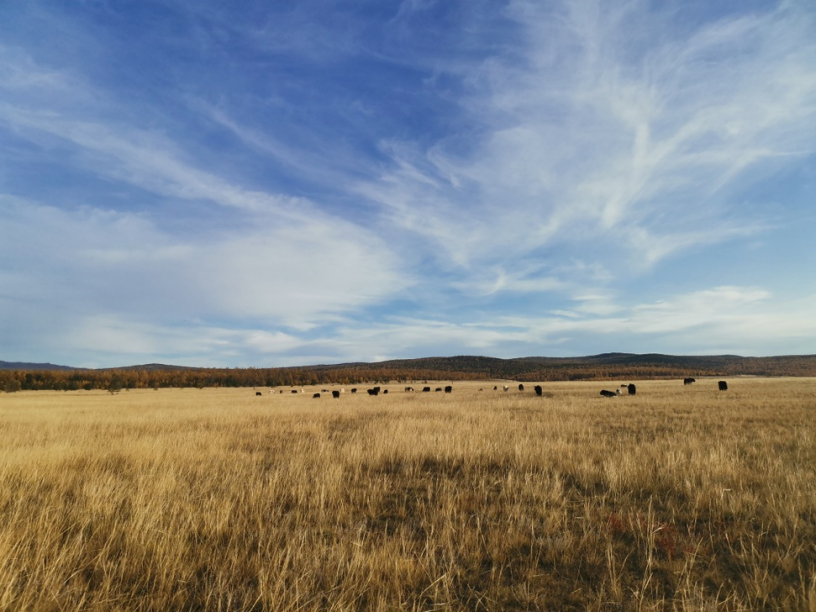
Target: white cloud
x=730 y=319
x=102 y=261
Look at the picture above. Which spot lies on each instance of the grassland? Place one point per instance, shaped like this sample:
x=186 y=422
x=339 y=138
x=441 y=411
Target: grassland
x=677 y=498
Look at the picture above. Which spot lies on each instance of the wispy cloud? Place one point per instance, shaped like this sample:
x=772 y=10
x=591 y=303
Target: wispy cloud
x=604 y=125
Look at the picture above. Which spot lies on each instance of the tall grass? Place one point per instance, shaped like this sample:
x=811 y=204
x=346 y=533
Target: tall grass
x=676 y=498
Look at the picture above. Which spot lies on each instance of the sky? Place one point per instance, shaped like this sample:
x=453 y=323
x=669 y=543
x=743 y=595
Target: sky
x=261 y=184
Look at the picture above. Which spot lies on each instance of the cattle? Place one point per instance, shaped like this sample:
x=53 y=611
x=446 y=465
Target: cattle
x=258 y=394
x=495 y=388
x=426 y=389
x=335 y=394
x=521 y=387
x=385 y=391
x=688 y=381
x=723 y=385
x=316 y=396
x=506 y=388
x=606 y=393
x=408 y=389
x=448 y=389
x=354 y=390
x=281 y=390
x=294 y=390
x=324 y=390
x=438 y=390
x=538 y=390
x=632 y=389
x=373 y=391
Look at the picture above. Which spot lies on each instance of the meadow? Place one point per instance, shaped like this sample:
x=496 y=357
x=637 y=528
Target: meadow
x=677 y=498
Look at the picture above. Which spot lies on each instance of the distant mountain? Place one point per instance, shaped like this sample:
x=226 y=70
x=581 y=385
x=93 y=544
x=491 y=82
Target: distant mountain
x=605 y=365
x=150 y=367
x=21 y=365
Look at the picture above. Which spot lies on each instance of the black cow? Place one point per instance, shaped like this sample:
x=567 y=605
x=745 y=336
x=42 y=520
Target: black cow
x=606 y=393
x=495 y=388
x=723 y=385
x=258 y=394
x=354 y=390
x=335 y=394
x=448 y=389
x=374 y=391
x=521 y=387
x=316 y=396
x=426 y=389
x=632 y=389
x=688 y=381
x=538 y=390
x=438 y=389
x=294 y=390
x=385 y=391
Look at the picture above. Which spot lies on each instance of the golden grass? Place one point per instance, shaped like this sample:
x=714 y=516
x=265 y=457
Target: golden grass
x=677 y=498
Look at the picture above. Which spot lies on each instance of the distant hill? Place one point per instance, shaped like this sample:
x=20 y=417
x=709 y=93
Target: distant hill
x=21 y=365
x=150 y=367
x=607 y=366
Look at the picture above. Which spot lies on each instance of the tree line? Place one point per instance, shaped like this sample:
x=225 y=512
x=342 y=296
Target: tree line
x=452 y=369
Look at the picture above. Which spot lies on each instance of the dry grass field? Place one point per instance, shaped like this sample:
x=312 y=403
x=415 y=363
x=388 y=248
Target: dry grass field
x=679 y=498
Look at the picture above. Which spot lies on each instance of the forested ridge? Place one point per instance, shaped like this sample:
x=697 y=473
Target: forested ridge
x=609 y=366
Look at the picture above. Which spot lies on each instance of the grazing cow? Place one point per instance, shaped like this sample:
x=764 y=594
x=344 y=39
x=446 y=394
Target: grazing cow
x=538 y=390
x=426 y=389
x=281 y=390
x=385 y=391
x=294 y=390
x=439 y=389
x=632 y=389
x=688 y=381
x=335 y=394
x=374 y=391
x=495 y=388
x=506 y=388
x=606 y=393
x=324 y=390
x=407 y=389
x=316 y=396
x=258 y=394
x=723 y=385
x=521 y=387
x=354 y=390
x=448 y=389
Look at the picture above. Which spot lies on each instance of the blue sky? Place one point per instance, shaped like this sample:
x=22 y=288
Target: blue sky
x=285 y=183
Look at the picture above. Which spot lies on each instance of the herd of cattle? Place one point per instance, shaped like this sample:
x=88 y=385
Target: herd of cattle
x=630 y=389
